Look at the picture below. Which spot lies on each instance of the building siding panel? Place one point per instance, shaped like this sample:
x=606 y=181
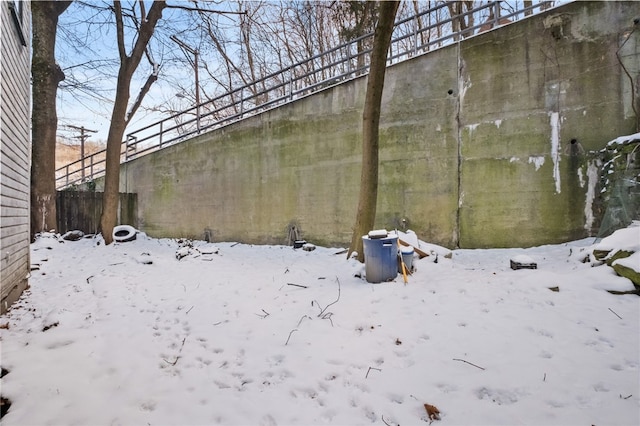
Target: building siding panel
x=15 y=154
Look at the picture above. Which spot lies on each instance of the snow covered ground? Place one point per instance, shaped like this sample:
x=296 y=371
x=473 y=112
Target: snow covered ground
x=235 y=334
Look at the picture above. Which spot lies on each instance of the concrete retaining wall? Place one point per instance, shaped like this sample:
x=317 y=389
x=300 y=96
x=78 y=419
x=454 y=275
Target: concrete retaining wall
x=476 y=145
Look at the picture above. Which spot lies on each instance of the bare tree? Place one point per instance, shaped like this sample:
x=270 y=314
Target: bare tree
x=145 y=24
x=461 y=21
x=357 y=18
x=366 y=214
x=46 y=75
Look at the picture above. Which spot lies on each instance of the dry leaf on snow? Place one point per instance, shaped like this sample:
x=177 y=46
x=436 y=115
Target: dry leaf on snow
x=432 y=411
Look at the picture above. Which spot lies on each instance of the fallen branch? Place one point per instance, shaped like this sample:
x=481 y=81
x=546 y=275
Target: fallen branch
x=625 y=397
x=189 y=310
x=89 y=279
x=470 y=363
x=371 y=368
x=615 y=313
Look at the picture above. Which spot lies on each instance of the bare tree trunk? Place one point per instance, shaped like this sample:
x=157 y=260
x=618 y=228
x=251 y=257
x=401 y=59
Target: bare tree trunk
x=366 y=215
x=46 y=75
x=128 y=65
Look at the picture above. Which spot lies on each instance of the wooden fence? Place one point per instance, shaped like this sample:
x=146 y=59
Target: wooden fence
x=78 y=210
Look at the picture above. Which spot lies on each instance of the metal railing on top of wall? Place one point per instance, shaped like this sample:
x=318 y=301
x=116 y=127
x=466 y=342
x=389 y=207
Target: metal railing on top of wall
x=413 y=36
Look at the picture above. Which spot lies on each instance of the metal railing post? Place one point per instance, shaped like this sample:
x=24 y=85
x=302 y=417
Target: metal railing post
x=290 y=82
x=415 y=35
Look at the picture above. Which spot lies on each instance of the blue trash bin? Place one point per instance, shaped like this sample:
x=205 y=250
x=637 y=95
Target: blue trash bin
x=380 y=258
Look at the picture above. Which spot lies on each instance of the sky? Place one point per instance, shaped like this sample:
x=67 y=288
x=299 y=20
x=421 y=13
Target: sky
x=179 y=332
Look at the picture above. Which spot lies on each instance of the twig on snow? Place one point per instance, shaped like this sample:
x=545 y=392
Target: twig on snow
x=290 y=333
x=189 y=310
x=172 y=363
x=328 y=316
x=266 y=314
x=615 y=313
x=301 y=318
x=177 y=357
x=297 y=285
x=625 y=397
x=470 y=363
x=332 y=303
x=371 y=368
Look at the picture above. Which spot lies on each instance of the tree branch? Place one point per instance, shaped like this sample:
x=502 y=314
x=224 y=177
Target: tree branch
x=120 y=30
x=143 y=91
x=198 y=9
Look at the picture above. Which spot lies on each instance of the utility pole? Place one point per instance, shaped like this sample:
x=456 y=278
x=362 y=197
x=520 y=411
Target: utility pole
x=195 y=54
x=84 y=135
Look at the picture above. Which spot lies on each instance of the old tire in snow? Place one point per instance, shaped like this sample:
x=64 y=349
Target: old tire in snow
x=124 y=233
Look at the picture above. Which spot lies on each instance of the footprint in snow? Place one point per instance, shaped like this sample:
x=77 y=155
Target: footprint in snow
x=396 y=398
x=268 y=420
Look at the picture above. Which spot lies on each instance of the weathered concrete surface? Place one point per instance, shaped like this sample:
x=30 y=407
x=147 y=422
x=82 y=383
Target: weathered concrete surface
x=488 y=165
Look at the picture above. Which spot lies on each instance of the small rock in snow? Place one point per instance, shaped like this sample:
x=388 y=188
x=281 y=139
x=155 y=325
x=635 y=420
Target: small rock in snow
x=73 y=235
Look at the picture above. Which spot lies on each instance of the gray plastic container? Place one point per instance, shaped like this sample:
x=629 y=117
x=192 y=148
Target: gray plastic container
x=407 y=258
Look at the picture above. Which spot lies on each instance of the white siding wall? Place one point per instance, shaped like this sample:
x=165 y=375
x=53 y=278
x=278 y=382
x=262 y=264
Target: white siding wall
x=15 y=152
